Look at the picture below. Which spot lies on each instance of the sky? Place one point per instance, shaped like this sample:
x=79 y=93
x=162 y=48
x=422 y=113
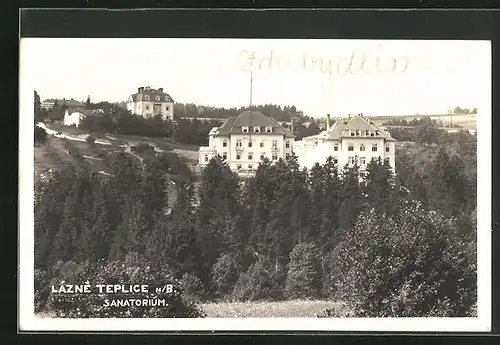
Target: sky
x=398 y=77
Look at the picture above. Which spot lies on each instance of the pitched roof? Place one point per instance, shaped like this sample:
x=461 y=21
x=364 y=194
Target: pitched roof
x=356 y=122
x=82 y=111
x=152 y=94
x=68 y=102
x=248 y=118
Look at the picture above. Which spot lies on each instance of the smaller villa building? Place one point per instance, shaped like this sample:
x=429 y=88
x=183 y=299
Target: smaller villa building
x=245 y=140
x=355 y=139
x=148 y=102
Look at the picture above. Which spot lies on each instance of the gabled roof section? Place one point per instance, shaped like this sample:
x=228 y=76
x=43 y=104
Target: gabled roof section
x=363 y=124
x=151 y=95
x=234 y=124
x=83 y=111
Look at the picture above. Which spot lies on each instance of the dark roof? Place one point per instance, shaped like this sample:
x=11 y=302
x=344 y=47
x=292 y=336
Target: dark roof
x=234 y=124
x=354 y=123
x=152 y=94
x=86 y=112
x=68 y=102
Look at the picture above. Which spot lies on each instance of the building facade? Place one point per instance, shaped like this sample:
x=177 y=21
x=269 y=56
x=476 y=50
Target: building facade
x=148 y=102
x=73 y=117
x=48 y=104
x=356 y=139
x=245 y=140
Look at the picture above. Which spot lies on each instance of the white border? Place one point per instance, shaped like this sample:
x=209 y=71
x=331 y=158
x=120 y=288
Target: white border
x=28 y=321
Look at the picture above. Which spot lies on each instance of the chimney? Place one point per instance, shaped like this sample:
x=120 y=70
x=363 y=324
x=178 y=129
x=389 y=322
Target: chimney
x=160 y=89
x=327 y=121
x=141 y=89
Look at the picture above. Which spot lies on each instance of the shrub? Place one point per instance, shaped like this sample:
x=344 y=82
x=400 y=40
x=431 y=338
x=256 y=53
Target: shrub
x=304 y=274
x=259 y=282
x=91 y=138
x=415 y=264
x=193 y=287
x=133 y=270
x=224 y=274
x=40 y=135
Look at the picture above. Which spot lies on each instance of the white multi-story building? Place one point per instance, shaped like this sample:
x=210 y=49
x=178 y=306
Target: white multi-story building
x=245 y=140
x=149 y=102
x=356 y=139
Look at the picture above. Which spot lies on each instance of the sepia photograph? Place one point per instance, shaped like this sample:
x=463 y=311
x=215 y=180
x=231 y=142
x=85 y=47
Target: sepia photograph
x=254 y=183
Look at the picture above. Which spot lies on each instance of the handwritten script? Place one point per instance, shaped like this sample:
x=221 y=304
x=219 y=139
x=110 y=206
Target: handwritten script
x=354 y=63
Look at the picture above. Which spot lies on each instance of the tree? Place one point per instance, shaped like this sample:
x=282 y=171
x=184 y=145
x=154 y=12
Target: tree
x=225 y=273
x=380 y=190
x=88 y=104
x=304 y=273
x=411 y=265
x=257 y=283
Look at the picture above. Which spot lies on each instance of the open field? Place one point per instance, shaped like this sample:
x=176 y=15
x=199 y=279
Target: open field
x=270 y=309
x=54 y=154
x=466 y=121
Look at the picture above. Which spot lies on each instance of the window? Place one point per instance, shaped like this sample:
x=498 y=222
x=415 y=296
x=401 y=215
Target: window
x=250 y=156
x=244 y=129
x=166 y=108
x=357 y=132
x=157 y=98
x=256 y=129
x=372 y=134
x=336 y=160
x=146 y=98
x=250 y=144
x=362 y=160
x=147 y=107
x=336 y=148
x=166 y=99
x=262 y=156
x=386 y=160
x=269 y=129
x=352 y=133
x=350 y=147
x=262 y=143
x=362 y=174
x=275 y=144
x=374 y=147
x=238 y=157
x=250 y=166
x=367 y=132
x=362 y=147
x=239 y=143
x=206 y=158
x=287 y=144
x=350 y=160
x=275 y=157
x=387 y=148
x=224 y=155
x=287 y=155
x=224 y=143
x=377 y=132
x=238 y=166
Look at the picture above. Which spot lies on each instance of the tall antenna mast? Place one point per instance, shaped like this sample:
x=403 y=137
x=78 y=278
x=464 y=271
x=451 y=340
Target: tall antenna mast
x=251 y=86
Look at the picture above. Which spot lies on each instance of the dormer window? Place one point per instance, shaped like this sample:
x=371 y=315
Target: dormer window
x=244 y=129
x=357 y=132
x=146 y=98
x=269 y=129
x=352 y=133
x=367 y=133
x=377 y=133
x=256 y=129
x=166 y=99
x=157 y=98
